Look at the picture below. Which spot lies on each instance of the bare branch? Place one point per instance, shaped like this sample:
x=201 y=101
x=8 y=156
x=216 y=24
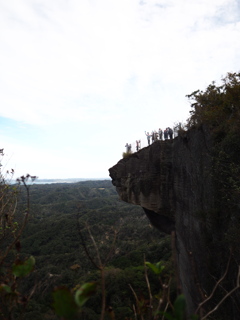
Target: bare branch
x=137 y=301
x=112 y=248
x=83 y=243
x=148 y=286
x=217 y=284
x=135 y=312
x=225 y=297
x=12 y=244
x=95 y=246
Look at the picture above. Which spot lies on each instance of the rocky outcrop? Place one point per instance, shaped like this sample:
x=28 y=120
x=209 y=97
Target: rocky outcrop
x=146 y=179
x=172 y=181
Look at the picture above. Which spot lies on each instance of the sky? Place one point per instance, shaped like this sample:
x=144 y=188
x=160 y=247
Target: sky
x=81 y=78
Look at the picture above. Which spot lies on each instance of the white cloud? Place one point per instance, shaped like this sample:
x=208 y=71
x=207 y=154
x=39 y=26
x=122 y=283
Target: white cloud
x=121 y=67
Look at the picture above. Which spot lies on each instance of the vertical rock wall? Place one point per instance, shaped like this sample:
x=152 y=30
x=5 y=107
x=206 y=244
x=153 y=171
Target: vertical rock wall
x=172 y=180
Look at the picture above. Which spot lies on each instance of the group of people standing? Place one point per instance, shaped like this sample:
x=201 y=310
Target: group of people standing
x=158 y=135
x=129 y=146
x=154 y=136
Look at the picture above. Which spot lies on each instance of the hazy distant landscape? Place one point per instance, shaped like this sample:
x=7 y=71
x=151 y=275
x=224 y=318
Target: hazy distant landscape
x=67 y=180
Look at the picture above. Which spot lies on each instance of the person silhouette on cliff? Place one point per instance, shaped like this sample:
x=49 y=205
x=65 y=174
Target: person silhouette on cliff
x=138 y=142
x=160 y=133
x=165 y=133
x=170 y=133
x=148 y=137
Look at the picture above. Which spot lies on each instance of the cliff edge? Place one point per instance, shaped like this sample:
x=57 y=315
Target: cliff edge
x=175 y=183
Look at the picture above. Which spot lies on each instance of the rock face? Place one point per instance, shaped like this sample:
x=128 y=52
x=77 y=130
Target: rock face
x=172 y=181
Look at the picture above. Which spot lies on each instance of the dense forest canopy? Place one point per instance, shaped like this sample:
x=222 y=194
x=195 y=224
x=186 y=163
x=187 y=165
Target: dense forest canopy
x=60 y=215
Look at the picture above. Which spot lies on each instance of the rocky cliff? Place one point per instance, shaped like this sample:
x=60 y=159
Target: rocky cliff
x=173 y=181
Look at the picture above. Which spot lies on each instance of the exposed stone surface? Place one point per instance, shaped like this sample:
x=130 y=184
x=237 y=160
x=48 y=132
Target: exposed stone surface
x=146 y=179
x=172 y=181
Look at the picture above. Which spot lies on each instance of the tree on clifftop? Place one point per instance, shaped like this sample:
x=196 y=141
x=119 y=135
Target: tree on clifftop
x=219 y=106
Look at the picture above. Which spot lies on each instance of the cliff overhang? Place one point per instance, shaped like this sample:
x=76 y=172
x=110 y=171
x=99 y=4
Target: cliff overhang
x=173 y=182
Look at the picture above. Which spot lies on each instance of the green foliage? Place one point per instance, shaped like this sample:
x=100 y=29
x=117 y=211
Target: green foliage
x=84 y=293
x=23 y=268
x=219 y=106
x=157 y=268
x=179 y=310
x=6 y=288
x=179 y=307
x=64 y=303
x=13 y=300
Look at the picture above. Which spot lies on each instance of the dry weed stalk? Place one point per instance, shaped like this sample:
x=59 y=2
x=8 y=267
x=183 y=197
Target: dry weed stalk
x=99 y=264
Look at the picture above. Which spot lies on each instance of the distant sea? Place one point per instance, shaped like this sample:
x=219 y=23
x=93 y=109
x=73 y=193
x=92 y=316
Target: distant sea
x=69 y=180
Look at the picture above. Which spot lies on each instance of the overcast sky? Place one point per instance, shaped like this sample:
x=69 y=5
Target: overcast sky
x=81 y=78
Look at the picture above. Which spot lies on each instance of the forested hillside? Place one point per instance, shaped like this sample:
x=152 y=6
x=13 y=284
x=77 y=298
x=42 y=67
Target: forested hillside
x=63 y=217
